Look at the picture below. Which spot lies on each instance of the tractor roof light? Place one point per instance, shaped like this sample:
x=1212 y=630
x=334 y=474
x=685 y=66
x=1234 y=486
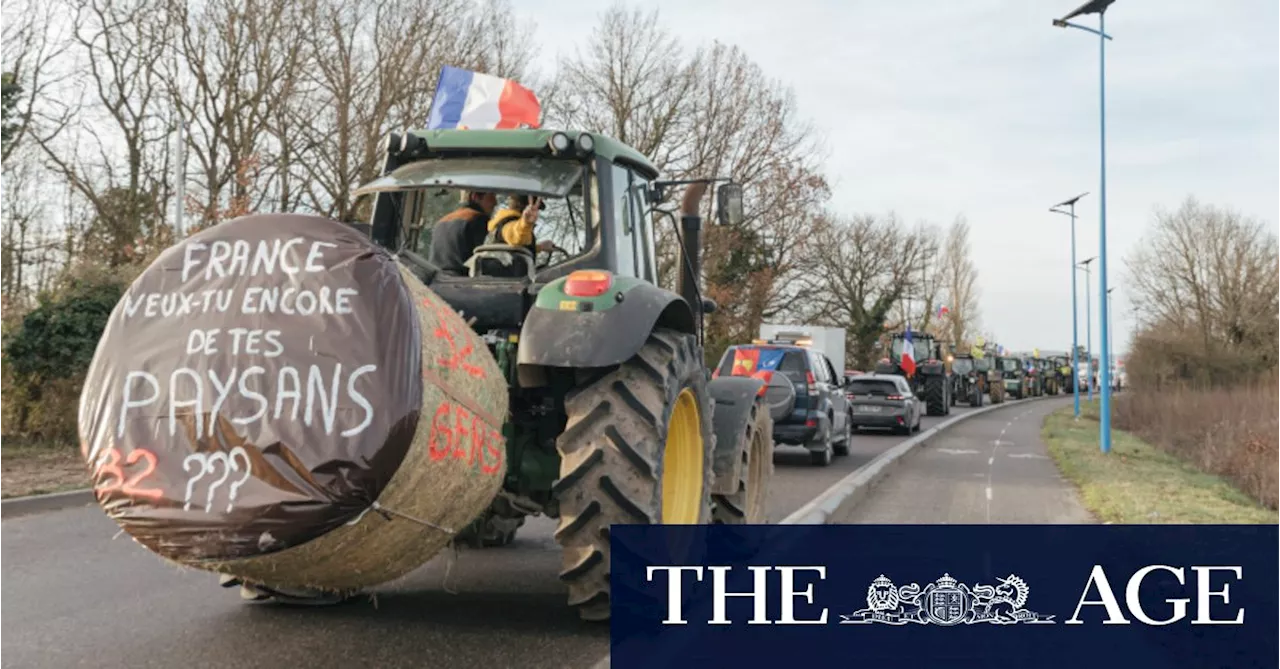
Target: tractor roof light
x=587 y=283
x=559 y=143
x=586 y=143
x=412 y=145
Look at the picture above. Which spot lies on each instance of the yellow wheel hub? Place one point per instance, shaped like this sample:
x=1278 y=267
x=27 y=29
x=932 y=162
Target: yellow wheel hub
x=682 y=463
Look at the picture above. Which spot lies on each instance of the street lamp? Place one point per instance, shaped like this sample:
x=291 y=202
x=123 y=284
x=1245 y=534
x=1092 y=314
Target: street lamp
x=1075 y=310
x=1099 y=7
x=1088 y=327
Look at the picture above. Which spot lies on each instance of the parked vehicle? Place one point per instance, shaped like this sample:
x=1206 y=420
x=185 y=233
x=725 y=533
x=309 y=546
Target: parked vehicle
x=884 y=401
x=819 y=416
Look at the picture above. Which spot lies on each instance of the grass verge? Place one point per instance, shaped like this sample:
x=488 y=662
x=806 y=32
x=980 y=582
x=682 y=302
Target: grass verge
x=38 y=469
x=1138 y=483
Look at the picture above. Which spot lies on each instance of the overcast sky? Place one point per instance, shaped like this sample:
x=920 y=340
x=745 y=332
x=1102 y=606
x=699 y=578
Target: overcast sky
x=933 y=108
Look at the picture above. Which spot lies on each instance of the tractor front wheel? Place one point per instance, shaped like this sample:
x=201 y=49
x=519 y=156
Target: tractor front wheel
x=636 y=449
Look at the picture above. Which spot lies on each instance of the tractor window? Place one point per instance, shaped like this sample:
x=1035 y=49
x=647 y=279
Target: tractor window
x=624 y=227
x=919 y=347
x=982 y=364
x=1009 y=364
x=962 y=365
x=563 y=221
x=643 y=233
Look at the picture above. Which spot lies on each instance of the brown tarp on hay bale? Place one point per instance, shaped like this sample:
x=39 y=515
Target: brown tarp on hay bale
x=278 y=399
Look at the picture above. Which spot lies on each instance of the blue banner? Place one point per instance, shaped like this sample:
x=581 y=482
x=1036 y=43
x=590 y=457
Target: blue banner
x=950 y=596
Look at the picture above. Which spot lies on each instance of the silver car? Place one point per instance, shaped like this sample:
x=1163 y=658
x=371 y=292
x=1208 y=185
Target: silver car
x=883 y=401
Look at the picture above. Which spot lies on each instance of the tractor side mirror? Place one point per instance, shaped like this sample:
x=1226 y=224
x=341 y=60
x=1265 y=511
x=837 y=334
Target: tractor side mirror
x=729 y=204
x=709 y=305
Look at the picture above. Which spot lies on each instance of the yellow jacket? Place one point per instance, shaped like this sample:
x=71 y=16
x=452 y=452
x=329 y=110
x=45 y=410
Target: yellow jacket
x=517 y=232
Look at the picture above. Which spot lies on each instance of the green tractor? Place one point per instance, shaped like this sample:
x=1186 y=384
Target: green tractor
x=613 y=417
x=1014 y=374
x=1049 y=375
x=1062 y=365
x=995 y=379
x=932 y=378
x=970 y=376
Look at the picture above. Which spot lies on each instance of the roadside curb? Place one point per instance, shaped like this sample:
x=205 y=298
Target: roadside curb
x=839 y=500
x=25 y=506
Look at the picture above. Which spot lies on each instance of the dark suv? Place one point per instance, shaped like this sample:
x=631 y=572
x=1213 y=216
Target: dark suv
x=815 y=414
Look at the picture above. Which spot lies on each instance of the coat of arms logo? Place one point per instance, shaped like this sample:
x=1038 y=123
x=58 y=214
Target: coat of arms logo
x=947 y=602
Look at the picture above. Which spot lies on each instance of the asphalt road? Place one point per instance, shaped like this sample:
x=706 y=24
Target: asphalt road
x=993 y=468
x=77 y=595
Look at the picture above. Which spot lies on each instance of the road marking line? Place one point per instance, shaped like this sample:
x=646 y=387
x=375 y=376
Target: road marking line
x=988 y=506
x=1027 y=455
x=956 y=451
x=991 y=461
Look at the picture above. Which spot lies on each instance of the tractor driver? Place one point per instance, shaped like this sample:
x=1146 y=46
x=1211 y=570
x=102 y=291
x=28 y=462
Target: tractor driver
x=514 y=224
x=457 y=235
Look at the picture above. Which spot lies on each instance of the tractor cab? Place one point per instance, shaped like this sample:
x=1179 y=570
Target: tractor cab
x=599 y=200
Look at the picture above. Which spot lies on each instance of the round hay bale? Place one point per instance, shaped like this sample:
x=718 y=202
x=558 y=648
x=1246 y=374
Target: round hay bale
x=278 y=399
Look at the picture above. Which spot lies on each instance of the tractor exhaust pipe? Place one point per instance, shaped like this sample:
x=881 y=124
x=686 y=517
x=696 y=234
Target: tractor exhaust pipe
x=691 y=268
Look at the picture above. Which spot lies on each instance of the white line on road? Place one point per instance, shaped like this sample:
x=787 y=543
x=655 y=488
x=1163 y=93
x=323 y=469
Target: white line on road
x=991 y=461
x=1027 y=455
x=988 y=505
x=957 y=451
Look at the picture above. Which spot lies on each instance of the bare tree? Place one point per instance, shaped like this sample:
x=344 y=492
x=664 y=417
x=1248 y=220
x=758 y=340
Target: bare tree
x=710 y=112
x=372 y=66
x=32 y=49
x=235 y=66
x=632 y=83
x=116 y=157
x=959 y=280
x=859 y=269
x=925 y=279
x=1209 y=273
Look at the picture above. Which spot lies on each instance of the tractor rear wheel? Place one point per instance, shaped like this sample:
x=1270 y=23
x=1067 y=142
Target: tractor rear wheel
x=935 y=395
x=636 y=450
x=750 y=504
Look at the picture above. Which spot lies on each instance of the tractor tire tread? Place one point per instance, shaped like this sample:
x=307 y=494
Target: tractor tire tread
x=611 y=454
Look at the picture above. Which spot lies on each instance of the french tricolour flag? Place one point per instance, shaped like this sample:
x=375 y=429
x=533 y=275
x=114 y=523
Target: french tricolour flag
x=908 y=353
x=472 y=100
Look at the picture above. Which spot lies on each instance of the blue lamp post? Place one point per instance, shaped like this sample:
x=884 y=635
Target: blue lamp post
x=1088 y=327
x=1075 y=310
x=1099 y=7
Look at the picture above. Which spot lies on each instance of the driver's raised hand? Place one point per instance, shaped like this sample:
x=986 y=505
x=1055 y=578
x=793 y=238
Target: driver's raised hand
x=530 y=214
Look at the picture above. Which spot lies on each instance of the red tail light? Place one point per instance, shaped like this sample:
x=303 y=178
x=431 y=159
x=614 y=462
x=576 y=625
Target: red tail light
x=895 y=397
x=716 y=374
x=813 y=383
x=587 y=283
x=812 y=422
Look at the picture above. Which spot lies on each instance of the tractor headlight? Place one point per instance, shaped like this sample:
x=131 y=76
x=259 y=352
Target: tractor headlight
x=559 y=142
x=586 y=143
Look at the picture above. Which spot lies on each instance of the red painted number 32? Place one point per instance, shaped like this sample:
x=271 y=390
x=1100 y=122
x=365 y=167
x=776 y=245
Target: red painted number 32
x=114 y=473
